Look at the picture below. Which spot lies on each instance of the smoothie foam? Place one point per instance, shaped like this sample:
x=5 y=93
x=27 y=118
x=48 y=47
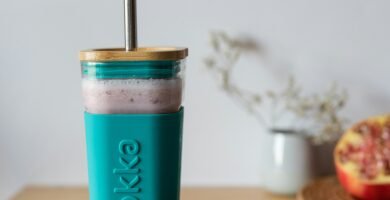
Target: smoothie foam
x=109 y=96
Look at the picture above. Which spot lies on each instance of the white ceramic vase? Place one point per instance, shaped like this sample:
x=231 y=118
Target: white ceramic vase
x=290 y=165
x=293 y=161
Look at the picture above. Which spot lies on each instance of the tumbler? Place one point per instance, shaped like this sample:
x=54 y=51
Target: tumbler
x=133 y=118
x=133 y=121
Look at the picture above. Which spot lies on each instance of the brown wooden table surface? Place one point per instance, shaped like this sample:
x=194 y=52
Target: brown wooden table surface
x=81 y=193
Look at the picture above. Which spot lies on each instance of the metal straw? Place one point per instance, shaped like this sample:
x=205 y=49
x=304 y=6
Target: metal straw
x=131 y=25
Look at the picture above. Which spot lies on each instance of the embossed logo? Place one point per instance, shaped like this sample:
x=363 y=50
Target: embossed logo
x=129 y=173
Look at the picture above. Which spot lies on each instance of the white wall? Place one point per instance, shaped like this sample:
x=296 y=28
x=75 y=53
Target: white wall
x=41 y=125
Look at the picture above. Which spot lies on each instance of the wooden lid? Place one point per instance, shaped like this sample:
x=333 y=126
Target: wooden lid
x=141 y=54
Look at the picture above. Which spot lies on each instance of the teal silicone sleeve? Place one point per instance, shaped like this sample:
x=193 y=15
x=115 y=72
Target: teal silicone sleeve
x=134 y=156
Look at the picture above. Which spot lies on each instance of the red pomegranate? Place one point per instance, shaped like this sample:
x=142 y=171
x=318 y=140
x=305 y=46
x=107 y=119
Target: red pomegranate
x=362 y=159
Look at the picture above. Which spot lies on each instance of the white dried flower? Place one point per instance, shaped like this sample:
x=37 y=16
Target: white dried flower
x=319 y=113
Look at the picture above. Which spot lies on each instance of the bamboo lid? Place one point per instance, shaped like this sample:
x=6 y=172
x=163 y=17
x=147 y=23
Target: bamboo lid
x=139 y=54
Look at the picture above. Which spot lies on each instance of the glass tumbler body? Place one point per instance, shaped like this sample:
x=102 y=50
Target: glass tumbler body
x=133 y=121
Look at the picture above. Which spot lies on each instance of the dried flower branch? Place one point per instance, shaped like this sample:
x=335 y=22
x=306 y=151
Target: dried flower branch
x=315 y=115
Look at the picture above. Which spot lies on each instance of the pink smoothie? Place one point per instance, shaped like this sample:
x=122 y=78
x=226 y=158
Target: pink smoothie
x=115 y=96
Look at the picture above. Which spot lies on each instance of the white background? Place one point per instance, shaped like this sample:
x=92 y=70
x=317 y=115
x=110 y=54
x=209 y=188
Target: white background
x=41 y=124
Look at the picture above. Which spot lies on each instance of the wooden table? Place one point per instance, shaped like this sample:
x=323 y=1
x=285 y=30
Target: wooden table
x=81 y=193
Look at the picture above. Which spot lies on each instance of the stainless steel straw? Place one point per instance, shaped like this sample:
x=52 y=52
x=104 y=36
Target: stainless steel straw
x=131 y=25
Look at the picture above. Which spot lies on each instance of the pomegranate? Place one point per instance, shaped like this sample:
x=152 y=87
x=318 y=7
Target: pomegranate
x=362 y=159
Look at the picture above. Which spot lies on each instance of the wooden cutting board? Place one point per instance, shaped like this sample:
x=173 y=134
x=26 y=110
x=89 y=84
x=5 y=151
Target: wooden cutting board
x=324 y=189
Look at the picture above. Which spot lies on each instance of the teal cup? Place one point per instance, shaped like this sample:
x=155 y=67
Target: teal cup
x=133 y=121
